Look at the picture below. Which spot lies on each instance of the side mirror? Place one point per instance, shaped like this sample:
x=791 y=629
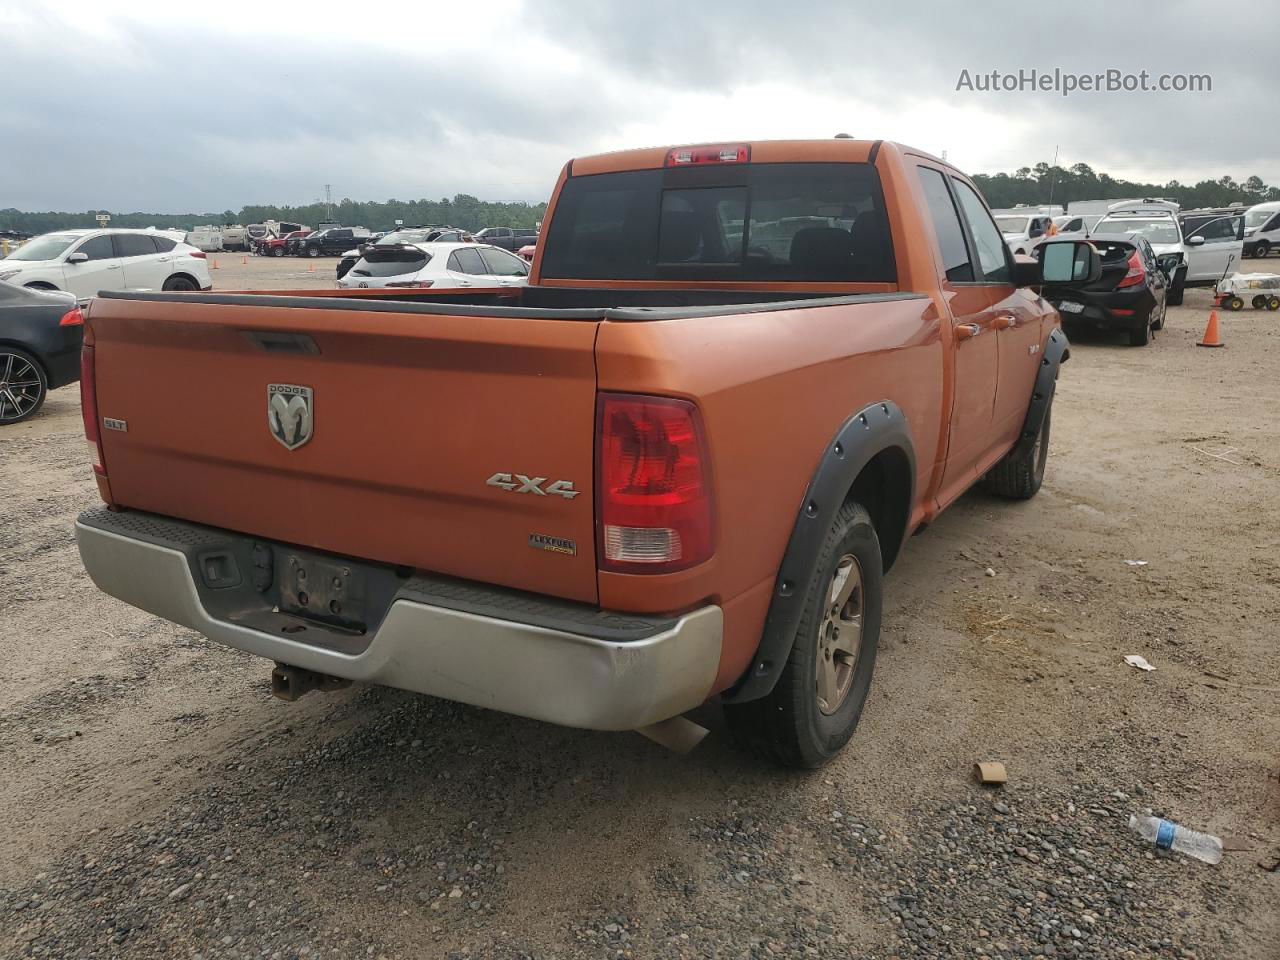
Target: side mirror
x=78 y=258
x=1194 y=241
x=1060 y=261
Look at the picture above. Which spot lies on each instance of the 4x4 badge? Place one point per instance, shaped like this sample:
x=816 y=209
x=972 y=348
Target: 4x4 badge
x=519 y=483
x=290 y=414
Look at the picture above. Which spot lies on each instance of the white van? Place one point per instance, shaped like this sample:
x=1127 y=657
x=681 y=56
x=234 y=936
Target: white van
x=1262 y=229
x=207 y=238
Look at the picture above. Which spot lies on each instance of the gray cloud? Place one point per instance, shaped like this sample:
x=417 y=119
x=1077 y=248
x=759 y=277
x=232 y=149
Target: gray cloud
x=169 y=119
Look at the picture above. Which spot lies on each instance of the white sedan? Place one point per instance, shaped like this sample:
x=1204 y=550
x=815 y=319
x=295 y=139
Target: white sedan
x=82 y=262
x=444 y=266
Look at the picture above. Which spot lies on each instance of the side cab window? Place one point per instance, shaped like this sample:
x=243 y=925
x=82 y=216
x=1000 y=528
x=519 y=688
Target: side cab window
x=993 y=253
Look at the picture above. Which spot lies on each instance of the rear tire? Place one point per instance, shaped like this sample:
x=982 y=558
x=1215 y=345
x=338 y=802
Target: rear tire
x=181 y=284
x=1259 y=302
x=1019 y=475
x=1158 y=323
x=1140 y=338
x=1234 y=303
x=796 y=725
x=277 y=251
x=1262 y=249
x=25 y=385
x=313 y=251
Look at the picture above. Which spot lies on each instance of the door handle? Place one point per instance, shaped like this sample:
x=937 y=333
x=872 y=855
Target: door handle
x=966 y=331
x=1005 y=321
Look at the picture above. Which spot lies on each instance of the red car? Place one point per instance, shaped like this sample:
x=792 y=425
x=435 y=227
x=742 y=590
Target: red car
x=276 y=246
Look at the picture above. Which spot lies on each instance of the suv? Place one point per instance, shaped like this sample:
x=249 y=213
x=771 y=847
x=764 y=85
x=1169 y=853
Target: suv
x=279 y=246
x=333 y=242
x=508 y=238
x=83 y=262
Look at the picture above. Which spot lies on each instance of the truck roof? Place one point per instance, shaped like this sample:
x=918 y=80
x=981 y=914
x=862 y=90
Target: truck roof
x=834 y=150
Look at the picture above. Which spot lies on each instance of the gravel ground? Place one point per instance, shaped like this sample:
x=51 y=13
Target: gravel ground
x=158 y=802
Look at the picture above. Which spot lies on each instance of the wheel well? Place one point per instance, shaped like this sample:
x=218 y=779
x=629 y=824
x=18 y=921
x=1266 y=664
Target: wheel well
x=182 y=276
x=884 y=488
x=40 y=285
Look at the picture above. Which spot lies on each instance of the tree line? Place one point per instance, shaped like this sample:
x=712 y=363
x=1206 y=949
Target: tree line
x=1045 y=183
x=464 y=211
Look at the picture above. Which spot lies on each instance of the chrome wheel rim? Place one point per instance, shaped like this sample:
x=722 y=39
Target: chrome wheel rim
x=19 y=387
x=839 y=635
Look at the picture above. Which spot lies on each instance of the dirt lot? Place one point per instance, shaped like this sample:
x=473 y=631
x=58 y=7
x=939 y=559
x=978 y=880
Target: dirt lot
x=158 y=802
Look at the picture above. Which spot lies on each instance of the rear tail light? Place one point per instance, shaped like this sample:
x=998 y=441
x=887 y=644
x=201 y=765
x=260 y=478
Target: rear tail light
x=1137 y=273
x=653 y=492
x=712 y=153
x=89 y=409
x=198 y=254
x=411 y=283
x=72 y=318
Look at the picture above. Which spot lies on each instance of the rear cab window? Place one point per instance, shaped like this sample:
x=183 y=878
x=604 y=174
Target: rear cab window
x=778 y=222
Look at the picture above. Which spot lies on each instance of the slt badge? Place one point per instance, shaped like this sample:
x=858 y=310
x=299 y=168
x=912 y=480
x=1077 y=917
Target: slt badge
x=290 y=414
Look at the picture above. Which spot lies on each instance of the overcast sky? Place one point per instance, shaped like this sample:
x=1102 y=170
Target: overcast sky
x=189 y=107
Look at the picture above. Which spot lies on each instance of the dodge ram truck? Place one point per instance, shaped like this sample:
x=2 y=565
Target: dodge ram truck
x=675 y=467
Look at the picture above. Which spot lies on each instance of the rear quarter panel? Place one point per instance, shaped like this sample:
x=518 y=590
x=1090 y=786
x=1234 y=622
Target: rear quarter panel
x=773 y=389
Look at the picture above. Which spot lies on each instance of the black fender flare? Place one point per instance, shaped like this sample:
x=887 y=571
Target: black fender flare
x=873 y=430
x=1057 y=351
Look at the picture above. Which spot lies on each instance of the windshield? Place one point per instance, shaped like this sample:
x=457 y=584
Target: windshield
x=1013 y=224
x=1156 y=231
x=1256 y=218
x=48 y=247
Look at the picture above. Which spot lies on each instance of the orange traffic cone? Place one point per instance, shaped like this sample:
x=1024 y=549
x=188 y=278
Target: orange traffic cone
x=1211 y=338
x=244 y=261
x=311 y=269
x=215 y=264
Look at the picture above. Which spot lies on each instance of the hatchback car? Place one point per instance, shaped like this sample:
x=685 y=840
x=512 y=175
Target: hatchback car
x=1131 y=295
x=443 y=266
x=83 y=262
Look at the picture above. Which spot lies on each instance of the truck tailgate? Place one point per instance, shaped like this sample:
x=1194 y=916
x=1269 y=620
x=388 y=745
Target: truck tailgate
x=412 y=413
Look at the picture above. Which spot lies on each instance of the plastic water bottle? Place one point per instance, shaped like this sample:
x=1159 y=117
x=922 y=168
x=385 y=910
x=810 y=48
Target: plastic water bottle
x=1170 y=836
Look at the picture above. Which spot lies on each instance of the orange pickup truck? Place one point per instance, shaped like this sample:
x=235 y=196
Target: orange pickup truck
x=676 y=465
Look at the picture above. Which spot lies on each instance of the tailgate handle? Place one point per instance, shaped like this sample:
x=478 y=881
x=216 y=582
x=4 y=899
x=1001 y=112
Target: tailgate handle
x=275 y=342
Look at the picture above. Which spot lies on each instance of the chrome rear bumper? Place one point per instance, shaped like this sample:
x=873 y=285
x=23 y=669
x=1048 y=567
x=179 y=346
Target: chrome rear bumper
x=561 y=676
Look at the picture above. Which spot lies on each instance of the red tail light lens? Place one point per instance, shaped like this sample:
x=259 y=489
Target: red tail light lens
x=712 y=153
x=89 y=409
x=653 y=494
x=72 y=318
x=1137 y=273
x=198 y=254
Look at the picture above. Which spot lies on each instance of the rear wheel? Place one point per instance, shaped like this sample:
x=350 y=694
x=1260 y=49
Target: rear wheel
x=1273 y=303
x=1019 y=475
x=23 y=385
x=180 y=283
x=1142 y=337
x=313 y=251
x=1158 y=323
x=1259 y=302
x=815 y=706
x=1262 y=249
